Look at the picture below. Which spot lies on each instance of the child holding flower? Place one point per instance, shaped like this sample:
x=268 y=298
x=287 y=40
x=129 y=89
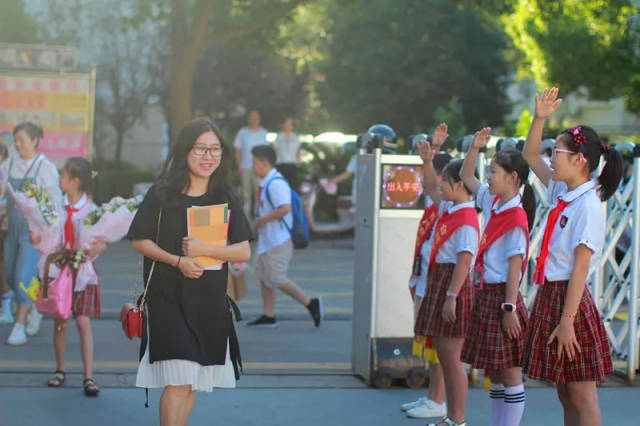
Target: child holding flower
x=76 y=180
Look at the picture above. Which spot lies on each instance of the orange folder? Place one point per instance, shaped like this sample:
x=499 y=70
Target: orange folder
x=211 y=225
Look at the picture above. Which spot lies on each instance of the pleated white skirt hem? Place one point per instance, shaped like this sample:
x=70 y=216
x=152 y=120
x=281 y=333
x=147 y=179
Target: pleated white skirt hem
x=180 y=372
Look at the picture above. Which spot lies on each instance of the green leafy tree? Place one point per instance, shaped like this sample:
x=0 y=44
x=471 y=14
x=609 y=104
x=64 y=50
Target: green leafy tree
x=574 y=43
x=232 y=79
x=396 y=62
x=16 y=26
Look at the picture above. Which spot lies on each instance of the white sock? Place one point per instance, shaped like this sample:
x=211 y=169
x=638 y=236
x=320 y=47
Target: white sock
x=496 y=394
x=513 y=405
x=18 y=327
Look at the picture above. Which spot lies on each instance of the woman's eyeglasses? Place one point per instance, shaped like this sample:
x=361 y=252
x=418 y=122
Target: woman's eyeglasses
x=201 y=151
x=557 y=150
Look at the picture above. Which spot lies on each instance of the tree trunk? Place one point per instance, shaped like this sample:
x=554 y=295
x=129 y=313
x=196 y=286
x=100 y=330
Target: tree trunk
x=183 y=70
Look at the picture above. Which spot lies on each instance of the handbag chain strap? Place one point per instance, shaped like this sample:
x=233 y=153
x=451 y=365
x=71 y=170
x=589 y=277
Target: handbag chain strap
x=153 y=265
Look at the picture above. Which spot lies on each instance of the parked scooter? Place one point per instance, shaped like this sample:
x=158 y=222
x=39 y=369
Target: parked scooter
x=309 y=189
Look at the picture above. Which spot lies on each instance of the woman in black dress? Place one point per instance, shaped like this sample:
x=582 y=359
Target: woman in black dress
x=191 y=343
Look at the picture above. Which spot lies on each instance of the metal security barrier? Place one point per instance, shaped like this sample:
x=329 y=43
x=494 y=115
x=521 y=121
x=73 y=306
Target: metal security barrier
x=616 y=284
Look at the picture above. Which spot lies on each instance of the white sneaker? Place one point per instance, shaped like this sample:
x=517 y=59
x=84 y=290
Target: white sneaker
x=428 y=410
x=410 y=405
x=5 y=315
x=17 y=336
x=33 y=322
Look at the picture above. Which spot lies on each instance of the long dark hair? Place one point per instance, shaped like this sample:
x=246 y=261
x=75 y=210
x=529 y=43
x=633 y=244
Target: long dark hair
x=33 y=130
x=511 y=160
x=585 y=140
x=175 y=174
x=80 y=168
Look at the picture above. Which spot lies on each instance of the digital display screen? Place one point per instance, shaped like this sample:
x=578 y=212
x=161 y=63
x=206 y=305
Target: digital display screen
x=401 y=187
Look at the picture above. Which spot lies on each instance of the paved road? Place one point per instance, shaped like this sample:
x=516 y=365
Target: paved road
x=296 y=374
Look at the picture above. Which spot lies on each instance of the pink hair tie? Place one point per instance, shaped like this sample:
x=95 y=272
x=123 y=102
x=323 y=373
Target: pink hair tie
x=578 y=138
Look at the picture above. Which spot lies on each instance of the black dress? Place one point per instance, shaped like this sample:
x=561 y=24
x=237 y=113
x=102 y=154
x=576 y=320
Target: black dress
x=190 y=319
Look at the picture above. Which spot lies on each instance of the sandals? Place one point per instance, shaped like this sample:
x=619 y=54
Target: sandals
x=448 y=422
x=90 y=387
x=58 y=379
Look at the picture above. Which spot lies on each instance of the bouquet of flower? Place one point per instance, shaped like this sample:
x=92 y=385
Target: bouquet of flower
x=85 y=273
x=41 y=216
x=110 y=222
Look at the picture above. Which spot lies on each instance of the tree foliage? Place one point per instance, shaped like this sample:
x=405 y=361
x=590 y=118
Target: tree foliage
x=16 y=26
x=397 y=62
x=233 y=79
x=577 y=43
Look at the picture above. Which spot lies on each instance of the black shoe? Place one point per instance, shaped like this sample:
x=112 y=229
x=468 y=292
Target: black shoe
x=316 y=310
x=264 y=321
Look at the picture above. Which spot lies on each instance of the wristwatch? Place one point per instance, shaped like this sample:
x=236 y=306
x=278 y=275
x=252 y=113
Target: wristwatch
x=508 y=307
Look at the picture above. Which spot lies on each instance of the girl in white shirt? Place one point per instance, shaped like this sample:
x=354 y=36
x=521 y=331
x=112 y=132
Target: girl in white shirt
x=433 y=404
x=496 y=339
x=446 y=307
x=567 y=343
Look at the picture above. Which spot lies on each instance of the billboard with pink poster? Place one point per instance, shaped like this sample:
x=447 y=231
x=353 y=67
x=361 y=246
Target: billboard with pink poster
x=63 y=104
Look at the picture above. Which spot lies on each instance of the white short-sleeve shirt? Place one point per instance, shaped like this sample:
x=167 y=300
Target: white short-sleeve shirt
x=514 y=242
x=581 y=222
x=287 y=148
x=274 y=233
x=47 y=174
x=464 y=238
x=246 y=140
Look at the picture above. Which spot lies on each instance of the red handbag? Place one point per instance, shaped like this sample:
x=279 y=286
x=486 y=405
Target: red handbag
x=132 y=316
x=132 y=319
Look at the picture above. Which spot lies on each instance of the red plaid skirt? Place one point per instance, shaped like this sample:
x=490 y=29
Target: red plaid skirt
x=541 y=361
x=486 y=345
x=87 y=303
x=429 y=321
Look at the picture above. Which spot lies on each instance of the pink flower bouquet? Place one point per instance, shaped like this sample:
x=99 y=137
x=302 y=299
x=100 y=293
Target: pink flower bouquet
x=41 y=216
x=109 y=223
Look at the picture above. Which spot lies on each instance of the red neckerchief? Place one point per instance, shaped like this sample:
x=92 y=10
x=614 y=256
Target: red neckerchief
x=448 y=224
x=499 y=224
x=554 y=215
x=69 y=234
x=425 y=227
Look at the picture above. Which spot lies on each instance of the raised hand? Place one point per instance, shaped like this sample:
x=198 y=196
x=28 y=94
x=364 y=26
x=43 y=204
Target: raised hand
x=439 y=136
x=547 y=103
x=481 y=138
x=425 y=151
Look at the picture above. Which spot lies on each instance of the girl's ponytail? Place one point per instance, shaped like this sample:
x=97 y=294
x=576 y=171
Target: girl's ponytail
x=529 y=204
x=611 y=174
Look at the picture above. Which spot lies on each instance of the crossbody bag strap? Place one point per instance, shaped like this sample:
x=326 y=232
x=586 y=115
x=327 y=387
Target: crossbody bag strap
x=153 y=265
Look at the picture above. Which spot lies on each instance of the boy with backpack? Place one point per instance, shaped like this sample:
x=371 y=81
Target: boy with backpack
x=280 y=225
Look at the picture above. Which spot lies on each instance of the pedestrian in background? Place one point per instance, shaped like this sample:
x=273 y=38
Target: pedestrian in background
x=287 y=147
x=275 y=248
x=20 y=257
x=248 y=137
